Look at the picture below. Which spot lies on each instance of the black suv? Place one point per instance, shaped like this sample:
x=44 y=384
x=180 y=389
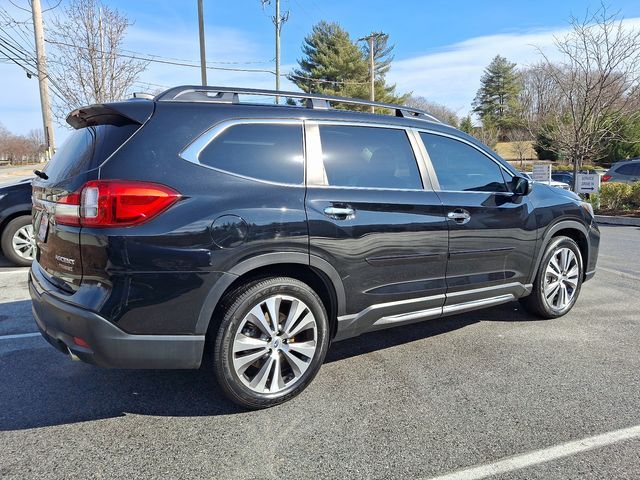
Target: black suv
x=193 y=222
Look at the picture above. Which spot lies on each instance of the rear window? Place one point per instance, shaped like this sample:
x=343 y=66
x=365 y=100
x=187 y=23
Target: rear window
x=86 y=148
x=262 y=151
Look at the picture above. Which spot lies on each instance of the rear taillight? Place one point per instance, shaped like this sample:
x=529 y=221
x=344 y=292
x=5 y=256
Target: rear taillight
x=68 y=209
x=606 y=178
x=114 y=203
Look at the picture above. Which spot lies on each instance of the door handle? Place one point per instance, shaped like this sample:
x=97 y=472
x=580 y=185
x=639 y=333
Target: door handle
x=339 y=213
x=459 y=216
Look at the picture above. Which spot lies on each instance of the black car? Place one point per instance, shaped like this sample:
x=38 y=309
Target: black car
x=16 y=232
x=564 y=177
x=195 y=223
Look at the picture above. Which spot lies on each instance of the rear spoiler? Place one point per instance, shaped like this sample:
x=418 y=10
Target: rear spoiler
x=117 y=113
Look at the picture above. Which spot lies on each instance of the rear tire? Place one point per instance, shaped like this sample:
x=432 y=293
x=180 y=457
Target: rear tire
x=18 y=243
x=260 y=363
x=558 y=280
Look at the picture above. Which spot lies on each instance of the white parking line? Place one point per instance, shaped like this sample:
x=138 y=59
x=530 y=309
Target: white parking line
x=7 y=272
x=536 y=457
x=19 y=335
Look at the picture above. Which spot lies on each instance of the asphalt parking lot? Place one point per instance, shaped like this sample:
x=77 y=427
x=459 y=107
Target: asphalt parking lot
x=490 y=392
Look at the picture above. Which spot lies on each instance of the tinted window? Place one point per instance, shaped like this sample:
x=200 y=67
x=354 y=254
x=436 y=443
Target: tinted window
x=460 y=167
x=629 y=169
x=86 y=148
x=368 y=157
x=263 y=151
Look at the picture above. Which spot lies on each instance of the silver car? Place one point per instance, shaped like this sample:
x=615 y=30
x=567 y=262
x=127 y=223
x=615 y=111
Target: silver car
x=627 y=171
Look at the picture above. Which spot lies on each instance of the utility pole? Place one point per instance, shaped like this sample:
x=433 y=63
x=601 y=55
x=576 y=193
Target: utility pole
x=370 y=39
x=43 y=79
x=278 y=20
x=203 y=56
x=372 y=74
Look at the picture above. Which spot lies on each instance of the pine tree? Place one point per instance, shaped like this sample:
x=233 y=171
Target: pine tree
x=496 y=101
x=334 y=64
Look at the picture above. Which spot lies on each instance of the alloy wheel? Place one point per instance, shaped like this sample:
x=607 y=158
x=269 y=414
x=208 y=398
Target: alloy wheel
x=561 y=278
x=24 y=242
x=275 y=344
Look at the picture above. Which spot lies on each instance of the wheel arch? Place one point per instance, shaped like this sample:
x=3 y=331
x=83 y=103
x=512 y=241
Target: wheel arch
x=573 y=229
x=13 y=213
x=314 y=271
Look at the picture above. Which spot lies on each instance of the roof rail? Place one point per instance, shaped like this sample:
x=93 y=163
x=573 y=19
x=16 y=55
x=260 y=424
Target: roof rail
x=199 y=93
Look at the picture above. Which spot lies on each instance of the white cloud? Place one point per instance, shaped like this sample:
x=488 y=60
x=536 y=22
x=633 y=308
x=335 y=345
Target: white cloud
x=451 y=75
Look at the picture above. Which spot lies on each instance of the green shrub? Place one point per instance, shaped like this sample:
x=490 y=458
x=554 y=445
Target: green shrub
x=594 y=200
x=561 y=167
x=635 y=194
x=615 y=196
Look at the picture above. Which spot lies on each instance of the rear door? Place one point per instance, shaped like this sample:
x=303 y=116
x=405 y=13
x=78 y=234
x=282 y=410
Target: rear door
x=492 y=234
x=56 y=198
x=371 y=217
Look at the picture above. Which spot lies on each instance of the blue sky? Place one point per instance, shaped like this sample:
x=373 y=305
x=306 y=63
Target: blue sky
x=441 y=46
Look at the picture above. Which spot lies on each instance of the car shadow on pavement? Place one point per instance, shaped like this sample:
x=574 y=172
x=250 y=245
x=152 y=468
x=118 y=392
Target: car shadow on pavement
x=370 y=342
x=41 y=387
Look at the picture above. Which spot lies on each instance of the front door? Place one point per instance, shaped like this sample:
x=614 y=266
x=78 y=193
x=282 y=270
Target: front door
x=492 y=234
x=371 y=218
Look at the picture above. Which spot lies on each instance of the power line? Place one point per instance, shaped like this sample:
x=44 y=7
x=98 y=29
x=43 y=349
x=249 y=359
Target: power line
x=166 y=62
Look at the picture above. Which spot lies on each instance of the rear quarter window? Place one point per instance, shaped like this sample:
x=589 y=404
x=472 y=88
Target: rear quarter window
x=267 y=152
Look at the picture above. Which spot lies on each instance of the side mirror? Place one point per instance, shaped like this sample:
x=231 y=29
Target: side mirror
x=522 y=186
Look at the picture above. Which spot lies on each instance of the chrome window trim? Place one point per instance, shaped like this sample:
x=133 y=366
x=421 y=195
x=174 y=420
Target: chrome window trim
x=462 y=140
x=320 y=180
x=191 y=153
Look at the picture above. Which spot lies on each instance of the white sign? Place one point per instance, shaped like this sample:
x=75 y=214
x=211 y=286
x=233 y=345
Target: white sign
x=541 y=172
x=588 y=183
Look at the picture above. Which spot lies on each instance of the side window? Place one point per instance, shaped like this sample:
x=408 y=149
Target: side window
x=460 y=167
x=629 y=169
x=369 y=157
x=263 y=151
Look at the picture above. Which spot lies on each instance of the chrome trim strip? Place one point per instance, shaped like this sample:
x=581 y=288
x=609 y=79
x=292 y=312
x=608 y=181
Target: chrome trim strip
x=475 y=304
x=356 y=324
x=401 y=318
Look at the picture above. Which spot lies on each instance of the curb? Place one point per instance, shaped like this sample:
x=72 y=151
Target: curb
x=611 y=220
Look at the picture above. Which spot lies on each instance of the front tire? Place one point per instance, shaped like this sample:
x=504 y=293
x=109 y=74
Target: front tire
x=18 y=241
x=271 y=342
x=558 y=280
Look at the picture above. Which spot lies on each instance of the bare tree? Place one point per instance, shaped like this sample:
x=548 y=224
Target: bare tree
x=597 y=82
x=487 y=134
x=539 y=97
x=440 y=111
x=36 y=141
x=88 y=64
x=520 y=140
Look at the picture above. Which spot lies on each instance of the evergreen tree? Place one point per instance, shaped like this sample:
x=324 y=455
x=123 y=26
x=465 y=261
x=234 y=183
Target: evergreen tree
x=334 y=64
x=466 y=125
x=496 y=101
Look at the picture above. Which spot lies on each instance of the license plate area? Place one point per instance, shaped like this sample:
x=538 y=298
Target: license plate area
x=43 y=227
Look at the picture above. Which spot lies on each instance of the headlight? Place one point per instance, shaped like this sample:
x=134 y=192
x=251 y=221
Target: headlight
x=586 y=206
x=2 y=195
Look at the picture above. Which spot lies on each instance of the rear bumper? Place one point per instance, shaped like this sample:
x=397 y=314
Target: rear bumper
x=59 y=322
